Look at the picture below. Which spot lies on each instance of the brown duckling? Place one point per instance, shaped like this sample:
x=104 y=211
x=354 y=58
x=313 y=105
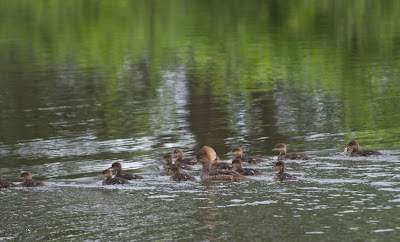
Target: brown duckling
x=178 y=176
x=169 y=158
x=238 y=153
x=217 y=164
x=5 y=184
x=110 y=180
x=282 y=175
x=283 y=155
x=28 y=182
x=180 y=160
x=238 y=166
x=205 y=156
x=354 y=147
x=118 y=168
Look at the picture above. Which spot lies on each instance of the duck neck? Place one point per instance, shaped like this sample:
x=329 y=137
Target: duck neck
x=283 y=152
x=281 y=171
x=119 y=172
x=206 y=168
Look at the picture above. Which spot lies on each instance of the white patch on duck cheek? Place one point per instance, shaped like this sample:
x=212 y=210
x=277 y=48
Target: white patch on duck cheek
x=213 y=156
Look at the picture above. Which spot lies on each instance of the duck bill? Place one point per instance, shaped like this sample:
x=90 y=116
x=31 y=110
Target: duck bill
x=229 y=153
x=346 y=149
x=274 y=149
x=196 y=161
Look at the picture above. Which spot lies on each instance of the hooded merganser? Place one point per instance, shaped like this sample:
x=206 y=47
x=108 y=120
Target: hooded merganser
x=5 y=184
x=354 y=147
x=28 y=182
x=238 y=153
x=169 y=158
x=178 y=176
x=180 y=160
x=282 y=175
x=118 y=168
x=289 y=156
x=238 y=166
x=205 y=156
x=112 y=181
x=217 y=164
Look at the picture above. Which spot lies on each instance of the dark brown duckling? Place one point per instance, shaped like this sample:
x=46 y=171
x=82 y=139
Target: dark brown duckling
x=5 y=184
x=205 y=156
x=178 y=176
x=110 y=180
x=238 y=166
x=217 y=164
x=354 y=147
x=238 y=153
x=118 y=168
x=283 y=155
x=180 y=160
x=169 y=158
x=28 y=182
x=282 y=175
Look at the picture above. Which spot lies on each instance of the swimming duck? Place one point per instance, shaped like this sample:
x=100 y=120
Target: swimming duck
x=179 y=160
x=354 y=148
x=289 y=156
x=5 y=184
x=169 y=158
x=238 y=166
x=238 y=153
x=217 y=164
x=205 y=156
x=28 y=182
x=282 y=175
x=118 y=167
x=112 y=181
x=178 y=176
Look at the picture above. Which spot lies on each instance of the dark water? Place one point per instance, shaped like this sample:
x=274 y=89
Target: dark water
x=86 y=83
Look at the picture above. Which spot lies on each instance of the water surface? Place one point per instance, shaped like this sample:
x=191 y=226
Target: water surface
x=87 y=83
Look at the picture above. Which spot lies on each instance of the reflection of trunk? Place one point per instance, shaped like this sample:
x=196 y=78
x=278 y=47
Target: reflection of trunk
x=213 y=118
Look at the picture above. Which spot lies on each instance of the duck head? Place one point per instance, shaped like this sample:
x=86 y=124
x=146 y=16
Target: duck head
x=25 y=176
x=237 y=151
x=206 y=155
x=106 y=173
x=281 y=148
x=353 y=145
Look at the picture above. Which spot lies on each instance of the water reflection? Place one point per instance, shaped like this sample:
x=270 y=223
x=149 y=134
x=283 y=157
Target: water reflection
x=129 y=81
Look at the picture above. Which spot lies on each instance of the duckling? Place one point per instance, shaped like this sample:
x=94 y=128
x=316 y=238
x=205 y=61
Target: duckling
x=354 y=148
x=217 y=164
x=205 y=156
x=118 y=167
x=289 y=156
x=5 y=184
x=238 y=153
x=178 y=176
x=179 y=160
x=282 y=175
x=238 y=166
x=28 y=182
x=169 y=158
x=112 y=181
